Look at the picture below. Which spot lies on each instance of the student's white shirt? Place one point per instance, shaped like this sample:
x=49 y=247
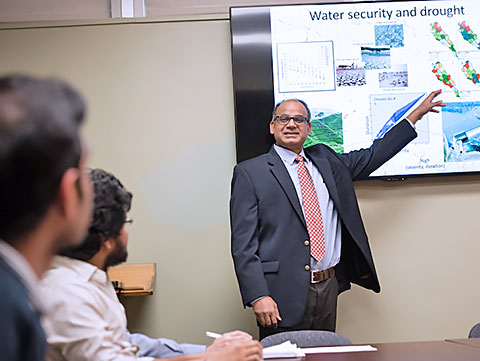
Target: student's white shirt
x=84 y=319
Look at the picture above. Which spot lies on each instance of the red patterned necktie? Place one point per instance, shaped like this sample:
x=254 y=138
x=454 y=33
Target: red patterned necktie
x=313 y=215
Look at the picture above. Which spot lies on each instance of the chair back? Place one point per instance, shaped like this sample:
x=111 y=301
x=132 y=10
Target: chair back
x=475 y=331
x=306 y=338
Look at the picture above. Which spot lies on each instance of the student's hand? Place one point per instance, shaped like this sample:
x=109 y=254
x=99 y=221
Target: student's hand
x=428 y=105
x=237 y=349
x=266 y=312
x=231 y=336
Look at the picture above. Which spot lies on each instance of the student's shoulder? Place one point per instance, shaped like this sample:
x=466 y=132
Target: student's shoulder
x=62 y=285
x=11 y=282
x=15 y=299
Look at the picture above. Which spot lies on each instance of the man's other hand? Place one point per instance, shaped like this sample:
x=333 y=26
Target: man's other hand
x=266 y=312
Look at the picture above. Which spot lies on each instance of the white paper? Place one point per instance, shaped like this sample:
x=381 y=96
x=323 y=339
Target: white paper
x=286 y=349
x=335 y=349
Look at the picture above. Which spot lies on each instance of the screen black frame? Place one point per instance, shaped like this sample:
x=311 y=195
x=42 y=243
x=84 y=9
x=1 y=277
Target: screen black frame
x=252 y=79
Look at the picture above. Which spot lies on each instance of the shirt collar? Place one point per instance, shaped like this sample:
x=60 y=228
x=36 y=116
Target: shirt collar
x=287 y=155
x=82 y=269
x=25 y=273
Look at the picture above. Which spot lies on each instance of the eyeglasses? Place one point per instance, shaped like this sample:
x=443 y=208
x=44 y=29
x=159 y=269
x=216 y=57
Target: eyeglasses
x=128 y=221
x=285 y=119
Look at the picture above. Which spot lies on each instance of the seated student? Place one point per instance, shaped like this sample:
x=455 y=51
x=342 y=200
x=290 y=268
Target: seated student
x=85 y=320
x=45 y=200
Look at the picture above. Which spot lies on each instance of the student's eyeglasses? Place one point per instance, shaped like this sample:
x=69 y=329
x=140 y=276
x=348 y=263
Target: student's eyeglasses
x=285 y=119
x=128 y=221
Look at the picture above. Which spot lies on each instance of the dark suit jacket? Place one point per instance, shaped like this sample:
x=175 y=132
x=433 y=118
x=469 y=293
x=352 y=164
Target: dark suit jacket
x=268 y=228
x=21 y=335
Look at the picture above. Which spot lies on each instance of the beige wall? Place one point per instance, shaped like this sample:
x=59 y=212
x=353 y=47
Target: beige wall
x=161 y=119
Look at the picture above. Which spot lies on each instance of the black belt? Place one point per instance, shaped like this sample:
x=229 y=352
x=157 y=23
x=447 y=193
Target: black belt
x=319 y=276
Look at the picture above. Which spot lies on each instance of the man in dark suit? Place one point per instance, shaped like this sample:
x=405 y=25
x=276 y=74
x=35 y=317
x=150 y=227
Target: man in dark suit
x=45 y=198
x=297 y=236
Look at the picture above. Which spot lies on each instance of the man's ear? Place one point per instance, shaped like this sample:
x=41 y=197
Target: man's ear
x=108 y=244
x=272 y=126
x=68 y=196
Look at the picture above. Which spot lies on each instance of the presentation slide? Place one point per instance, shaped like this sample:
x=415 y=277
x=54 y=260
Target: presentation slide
x=362 y=67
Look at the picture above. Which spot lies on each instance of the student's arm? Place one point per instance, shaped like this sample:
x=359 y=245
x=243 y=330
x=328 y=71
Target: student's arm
x=232 y=346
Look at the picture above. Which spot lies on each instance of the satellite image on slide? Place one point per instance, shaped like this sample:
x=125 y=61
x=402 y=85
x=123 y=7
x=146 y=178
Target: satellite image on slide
x=326 y=129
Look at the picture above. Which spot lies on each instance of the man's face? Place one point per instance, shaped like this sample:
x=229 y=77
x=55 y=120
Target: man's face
x=291 y=135
x=119 y=253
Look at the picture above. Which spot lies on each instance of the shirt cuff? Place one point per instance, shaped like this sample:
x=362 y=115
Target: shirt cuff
x=256 y=299
x=413 y=125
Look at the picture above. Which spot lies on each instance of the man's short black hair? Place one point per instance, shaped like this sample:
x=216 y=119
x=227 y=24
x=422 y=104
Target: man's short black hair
x=309 y=114
x=39 y=141
x=111 y=204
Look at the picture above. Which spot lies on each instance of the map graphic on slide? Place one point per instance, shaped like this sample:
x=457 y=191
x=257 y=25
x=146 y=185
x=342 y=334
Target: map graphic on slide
x=471 y=73
x=469 y=35
x=444 y=77
x=442 y=37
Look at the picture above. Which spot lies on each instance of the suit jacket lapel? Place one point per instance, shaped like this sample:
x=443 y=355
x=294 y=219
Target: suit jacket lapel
x=325 y=170
x=281 y=175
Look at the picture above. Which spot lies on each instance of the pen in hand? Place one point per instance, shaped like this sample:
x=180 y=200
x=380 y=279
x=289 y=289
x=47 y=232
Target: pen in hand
x=213 y=334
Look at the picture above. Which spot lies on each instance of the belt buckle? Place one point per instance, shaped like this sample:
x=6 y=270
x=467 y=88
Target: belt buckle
x=316 y=276
x=319 y=276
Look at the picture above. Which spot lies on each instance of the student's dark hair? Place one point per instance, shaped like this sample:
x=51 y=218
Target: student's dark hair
x=39 y=141
x=111 y=204
x=309 y=114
